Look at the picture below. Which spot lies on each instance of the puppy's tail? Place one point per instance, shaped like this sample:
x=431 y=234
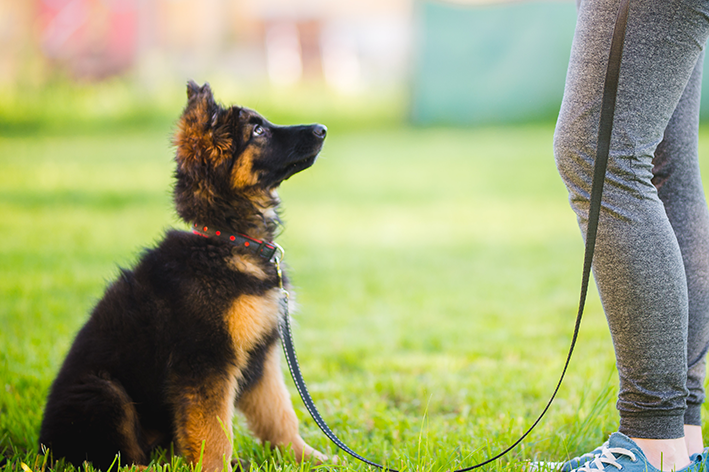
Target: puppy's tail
x=92 y=419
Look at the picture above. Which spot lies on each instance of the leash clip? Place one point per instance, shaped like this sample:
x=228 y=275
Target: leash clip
x=277 y=258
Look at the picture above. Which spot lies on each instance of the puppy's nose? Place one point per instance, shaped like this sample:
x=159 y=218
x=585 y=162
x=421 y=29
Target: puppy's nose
x=320 y=131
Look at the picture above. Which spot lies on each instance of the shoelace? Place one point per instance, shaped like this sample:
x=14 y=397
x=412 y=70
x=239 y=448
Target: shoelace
x=576 y=462
x=607 y=456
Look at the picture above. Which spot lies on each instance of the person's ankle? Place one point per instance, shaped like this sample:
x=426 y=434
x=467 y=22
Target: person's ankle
x=665 y=454
x=693 y=439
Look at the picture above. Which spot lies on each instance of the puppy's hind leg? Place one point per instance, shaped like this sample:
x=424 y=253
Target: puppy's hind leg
x=92 y=420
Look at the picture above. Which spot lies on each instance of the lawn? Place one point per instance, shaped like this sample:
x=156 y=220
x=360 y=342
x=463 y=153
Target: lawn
x=436 y=271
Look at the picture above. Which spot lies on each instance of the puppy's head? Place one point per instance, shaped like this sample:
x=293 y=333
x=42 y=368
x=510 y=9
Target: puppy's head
x=227 y=157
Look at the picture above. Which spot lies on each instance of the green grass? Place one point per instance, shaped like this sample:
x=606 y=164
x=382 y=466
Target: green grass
x=436 y=270
x=62 y=107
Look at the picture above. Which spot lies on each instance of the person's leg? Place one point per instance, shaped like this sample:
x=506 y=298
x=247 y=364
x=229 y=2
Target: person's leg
x=679 y=185
x=638 y=265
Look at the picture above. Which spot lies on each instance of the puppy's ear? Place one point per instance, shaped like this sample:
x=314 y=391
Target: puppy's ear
x=199 y=96
x=202 y=137
x=192 y=89
x=204 y=92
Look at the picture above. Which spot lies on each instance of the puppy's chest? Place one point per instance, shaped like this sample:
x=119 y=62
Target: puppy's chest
x=251 y=319
x=250 y=266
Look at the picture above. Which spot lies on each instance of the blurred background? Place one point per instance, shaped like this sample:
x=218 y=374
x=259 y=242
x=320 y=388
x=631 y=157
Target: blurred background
x=427 y=62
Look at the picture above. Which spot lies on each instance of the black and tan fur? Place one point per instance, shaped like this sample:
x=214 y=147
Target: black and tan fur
x=189 y=335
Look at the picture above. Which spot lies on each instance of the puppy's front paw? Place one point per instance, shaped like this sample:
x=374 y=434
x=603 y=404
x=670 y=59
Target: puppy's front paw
x=317 y=457
x=241 y=465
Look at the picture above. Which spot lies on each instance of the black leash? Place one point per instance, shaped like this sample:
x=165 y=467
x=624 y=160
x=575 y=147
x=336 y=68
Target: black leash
x=602 y=148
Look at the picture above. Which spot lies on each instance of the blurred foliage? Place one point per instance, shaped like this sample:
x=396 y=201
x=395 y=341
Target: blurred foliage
x=63 y=106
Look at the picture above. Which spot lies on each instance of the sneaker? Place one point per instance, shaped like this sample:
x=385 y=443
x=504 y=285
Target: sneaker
x=567 y=466
x=577 y=462
x=701 y=460
x=701 y=456
x=620 y=452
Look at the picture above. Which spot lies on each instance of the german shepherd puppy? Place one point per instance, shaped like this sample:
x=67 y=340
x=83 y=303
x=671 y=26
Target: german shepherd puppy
x=190 y=334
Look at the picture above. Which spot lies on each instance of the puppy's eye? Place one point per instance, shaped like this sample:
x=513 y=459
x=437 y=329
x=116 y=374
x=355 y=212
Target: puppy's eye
x=258 y=130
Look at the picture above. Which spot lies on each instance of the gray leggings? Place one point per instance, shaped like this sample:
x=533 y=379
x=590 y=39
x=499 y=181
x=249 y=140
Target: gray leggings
x=652 y=256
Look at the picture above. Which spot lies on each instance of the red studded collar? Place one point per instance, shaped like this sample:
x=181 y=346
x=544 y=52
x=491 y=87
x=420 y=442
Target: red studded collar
x=260 y=248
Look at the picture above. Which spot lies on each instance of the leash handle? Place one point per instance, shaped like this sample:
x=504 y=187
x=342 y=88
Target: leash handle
x=605 y=128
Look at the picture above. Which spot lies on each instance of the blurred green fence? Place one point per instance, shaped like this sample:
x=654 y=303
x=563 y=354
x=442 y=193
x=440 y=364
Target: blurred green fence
x=494 y=63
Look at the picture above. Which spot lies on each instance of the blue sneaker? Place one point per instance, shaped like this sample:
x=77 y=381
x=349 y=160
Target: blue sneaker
x=701 y=460
x=622 y=453
x=619 y=452
x=577 y=462
x=567 y=466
